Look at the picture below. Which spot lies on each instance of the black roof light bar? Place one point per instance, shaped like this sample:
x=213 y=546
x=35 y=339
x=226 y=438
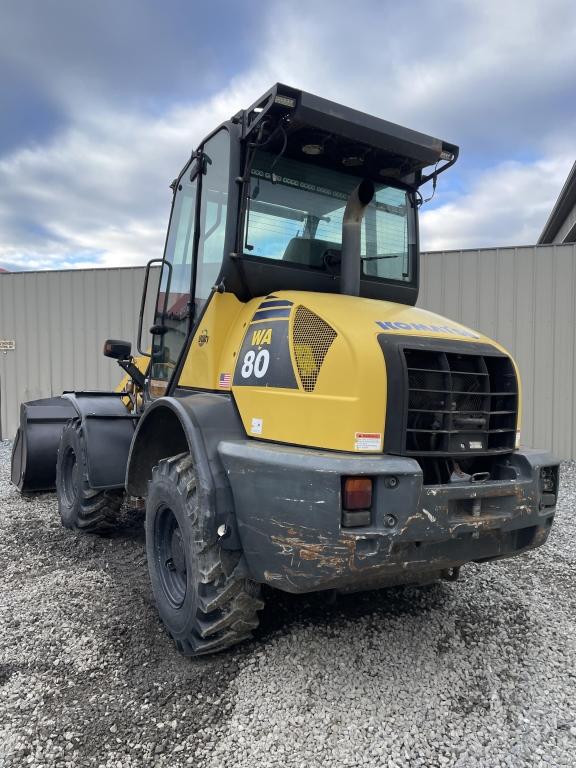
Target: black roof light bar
x=300 y=109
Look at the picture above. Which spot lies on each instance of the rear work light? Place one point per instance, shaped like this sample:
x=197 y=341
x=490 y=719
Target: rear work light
x=357 y=493
x=356 y=501
x=548 y=486
x=548 y=479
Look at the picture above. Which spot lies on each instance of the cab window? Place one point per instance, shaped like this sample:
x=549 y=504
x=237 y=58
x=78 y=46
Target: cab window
x=295 y=212
x=213 y=211
x=173 y=307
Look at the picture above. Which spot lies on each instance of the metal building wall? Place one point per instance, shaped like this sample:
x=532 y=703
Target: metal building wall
x=59 y=321
x=523 y=298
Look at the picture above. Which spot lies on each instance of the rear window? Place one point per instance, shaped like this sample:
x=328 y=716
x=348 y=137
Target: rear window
x=295 y=215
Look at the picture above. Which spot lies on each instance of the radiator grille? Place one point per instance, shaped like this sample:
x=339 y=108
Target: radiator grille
x=312 y=338
x=459 y=403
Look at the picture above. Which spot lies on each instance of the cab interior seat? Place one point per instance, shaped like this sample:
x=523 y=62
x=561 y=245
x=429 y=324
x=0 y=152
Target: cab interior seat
x=312 y=253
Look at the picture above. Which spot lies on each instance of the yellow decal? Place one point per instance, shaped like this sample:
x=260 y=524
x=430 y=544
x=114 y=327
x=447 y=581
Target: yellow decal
x=260 y=337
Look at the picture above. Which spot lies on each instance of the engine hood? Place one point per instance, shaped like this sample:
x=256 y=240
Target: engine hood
x=310 y=369
x=353 y=315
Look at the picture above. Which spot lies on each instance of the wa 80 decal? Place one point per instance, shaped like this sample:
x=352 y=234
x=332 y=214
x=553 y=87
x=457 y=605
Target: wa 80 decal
x=255 y=363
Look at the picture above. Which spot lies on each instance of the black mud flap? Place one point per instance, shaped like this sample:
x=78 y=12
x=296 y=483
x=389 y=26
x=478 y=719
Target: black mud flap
x=36 y=443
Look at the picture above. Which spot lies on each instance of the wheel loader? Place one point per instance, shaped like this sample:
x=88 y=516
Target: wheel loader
x=297 y=422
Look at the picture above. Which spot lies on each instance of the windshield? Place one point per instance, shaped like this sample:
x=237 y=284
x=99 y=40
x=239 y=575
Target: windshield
x=295 y=215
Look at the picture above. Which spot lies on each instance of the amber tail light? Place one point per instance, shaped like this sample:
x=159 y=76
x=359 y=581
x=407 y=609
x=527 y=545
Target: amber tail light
x=357 y=493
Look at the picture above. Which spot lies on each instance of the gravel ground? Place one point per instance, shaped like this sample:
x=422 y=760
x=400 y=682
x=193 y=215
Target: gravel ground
x=477 y=673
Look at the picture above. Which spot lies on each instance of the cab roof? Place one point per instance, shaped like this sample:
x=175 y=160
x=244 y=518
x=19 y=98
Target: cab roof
x=344 y=135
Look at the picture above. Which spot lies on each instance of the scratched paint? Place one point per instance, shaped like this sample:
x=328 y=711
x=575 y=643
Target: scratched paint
x=429 y=515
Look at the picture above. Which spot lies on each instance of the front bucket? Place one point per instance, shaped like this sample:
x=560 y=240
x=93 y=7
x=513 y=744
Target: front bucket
x=36 y=443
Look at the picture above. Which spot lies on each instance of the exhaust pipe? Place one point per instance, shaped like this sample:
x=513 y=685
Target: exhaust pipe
x=352 y=237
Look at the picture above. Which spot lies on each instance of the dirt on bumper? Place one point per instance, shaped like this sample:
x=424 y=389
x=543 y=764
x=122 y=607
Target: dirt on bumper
x=289 y=518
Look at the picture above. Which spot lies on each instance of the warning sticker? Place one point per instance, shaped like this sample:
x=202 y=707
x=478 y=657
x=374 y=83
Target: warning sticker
x=256 y=427
x=368 y=441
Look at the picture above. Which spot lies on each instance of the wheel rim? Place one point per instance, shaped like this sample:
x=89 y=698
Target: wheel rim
x=171 y=557
x=70 y=476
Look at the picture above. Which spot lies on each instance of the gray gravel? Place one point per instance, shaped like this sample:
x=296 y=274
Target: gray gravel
x=477 y=673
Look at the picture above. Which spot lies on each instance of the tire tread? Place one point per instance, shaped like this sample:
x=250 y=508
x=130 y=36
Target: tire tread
x=227 y=605
x=96 y=510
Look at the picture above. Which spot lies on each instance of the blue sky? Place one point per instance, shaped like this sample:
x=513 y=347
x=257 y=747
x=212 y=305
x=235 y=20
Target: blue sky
x=101 y=103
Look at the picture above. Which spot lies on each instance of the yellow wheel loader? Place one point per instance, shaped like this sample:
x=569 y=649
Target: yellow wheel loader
x=299 y=423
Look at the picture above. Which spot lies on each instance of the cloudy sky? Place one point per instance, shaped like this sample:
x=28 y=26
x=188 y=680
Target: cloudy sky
x=101 y=103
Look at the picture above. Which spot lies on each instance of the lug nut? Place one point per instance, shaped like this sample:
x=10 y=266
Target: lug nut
x=390 y=521
x=391 y=482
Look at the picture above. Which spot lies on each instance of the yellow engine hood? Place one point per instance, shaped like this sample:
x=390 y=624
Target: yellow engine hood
x=266 y=352
x=358 y=315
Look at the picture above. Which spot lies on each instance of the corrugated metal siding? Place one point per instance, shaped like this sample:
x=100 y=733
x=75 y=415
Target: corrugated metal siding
x=523 y=298
x=59 y=321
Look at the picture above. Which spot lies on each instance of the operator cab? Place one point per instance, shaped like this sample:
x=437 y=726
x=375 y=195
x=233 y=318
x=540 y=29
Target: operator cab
x=261 y=205
x=304 y=156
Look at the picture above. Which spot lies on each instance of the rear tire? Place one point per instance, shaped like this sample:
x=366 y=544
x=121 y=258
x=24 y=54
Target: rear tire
x=203 y=595
x=82 y=508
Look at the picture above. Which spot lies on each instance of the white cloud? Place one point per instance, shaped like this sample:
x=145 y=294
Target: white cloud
x=101 y=188
x=507 y=205
x=457 y=68
x=494 y=77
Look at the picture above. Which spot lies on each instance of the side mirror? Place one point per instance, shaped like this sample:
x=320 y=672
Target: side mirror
x=119 y=350
x=166 y=292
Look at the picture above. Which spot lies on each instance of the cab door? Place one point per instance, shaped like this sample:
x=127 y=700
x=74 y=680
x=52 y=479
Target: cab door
x=194 y=252
x=213 y=210
x=174 y=307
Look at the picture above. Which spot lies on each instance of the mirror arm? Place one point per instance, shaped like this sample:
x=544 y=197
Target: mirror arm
x=133 y=371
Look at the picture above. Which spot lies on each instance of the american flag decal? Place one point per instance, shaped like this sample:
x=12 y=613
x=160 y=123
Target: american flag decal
x=225 y=380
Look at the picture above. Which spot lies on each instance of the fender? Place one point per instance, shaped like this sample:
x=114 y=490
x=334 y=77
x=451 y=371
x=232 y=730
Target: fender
x=194 y=422
x=108 y=431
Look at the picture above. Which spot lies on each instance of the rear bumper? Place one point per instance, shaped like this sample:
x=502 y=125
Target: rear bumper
x=288 y=511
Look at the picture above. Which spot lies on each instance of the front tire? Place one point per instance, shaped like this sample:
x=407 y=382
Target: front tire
x=82 y=508
x=203 y=595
